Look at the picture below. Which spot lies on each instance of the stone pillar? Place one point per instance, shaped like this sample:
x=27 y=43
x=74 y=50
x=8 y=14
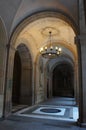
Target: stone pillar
x=8 y=87
x=82 y=55
x=82 y=105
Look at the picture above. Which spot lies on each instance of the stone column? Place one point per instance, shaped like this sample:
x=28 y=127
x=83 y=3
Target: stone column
x=8 y=87
x=82 y=91
x=82 y=47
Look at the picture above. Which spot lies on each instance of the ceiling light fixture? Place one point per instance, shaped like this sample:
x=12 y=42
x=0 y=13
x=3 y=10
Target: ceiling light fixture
x=50 y=51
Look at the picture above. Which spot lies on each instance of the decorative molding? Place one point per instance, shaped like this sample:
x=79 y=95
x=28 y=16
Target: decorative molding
x=45 y=31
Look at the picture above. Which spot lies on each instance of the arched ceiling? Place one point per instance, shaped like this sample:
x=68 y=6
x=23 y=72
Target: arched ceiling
x=28 y=7
x=37 y=33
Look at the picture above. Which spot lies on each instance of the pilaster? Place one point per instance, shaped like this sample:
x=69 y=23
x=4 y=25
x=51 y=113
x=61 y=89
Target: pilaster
x=81 y=40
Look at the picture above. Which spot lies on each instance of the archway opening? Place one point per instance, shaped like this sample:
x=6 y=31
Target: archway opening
x=22 y=79
x=63 y=80
x=16 y=80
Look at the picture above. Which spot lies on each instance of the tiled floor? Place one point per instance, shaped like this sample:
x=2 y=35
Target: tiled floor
x=69 y=112
x=33 y=119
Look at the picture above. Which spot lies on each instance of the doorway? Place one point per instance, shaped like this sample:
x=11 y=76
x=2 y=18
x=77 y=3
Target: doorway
x=63 y=81
x=16 y=80
x=22 y=79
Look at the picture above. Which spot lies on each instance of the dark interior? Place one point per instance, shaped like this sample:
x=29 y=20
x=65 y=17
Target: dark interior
x=63 y=80
x=16 y=79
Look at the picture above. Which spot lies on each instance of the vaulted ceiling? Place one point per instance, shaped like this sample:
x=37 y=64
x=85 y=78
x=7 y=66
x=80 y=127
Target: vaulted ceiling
x=37 y=33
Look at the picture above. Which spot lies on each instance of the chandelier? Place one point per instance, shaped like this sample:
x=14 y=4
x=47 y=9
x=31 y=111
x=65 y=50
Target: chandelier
x=50 y=51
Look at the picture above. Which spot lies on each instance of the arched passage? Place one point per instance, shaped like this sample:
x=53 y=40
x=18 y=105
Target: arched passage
x=22 y=77
x=32 y=32
x=63 y=80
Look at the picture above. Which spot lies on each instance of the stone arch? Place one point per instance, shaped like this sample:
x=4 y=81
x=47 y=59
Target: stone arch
x=31 y=8
x=21 y=26
x=22 y=77
x=64 y=59
x=25 y=57
x=43 y=14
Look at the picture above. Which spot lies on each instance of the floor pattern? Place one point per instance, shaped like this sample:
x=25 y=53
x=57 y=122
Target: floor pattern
x=50 y=112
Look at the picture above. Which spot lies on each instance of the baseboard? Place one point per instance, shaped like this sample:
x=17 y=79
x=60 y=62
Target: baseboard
x=81 y=124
